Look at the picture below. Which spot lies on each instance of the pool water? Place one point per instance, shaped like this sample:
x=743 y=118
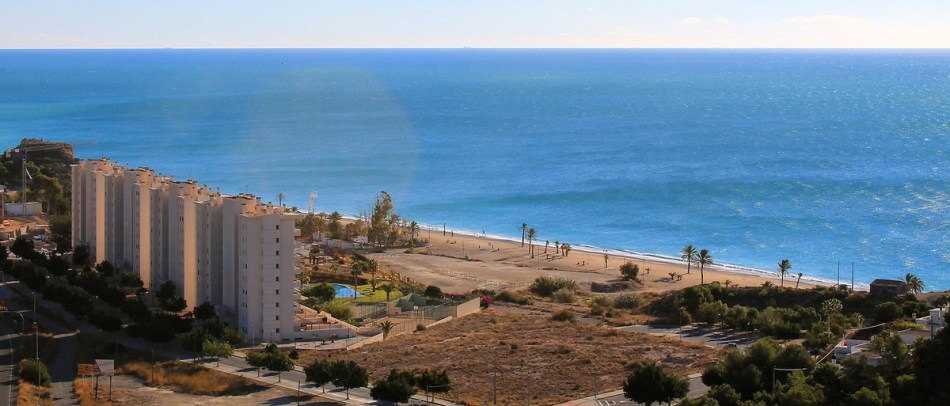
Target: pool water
x=345 y=291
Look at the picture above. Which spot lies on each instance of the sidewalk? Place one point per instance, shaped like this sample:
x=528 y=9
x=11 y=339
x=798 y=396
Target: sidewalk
x=593 y=400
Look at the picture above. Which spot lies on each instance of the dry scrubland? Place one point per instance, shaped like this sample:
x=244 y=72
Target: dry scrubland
x=538 y=361
x=191 y=379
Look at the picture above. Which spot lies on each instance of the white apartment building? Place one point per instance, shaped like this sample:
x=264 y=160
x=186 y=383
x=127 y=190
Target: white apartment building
x=231 y=251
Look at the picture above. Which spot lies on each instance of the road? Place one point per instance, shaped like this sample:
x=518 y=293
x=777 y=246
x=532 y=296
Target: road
x=696 y=389
x=710 y=337
x=7 y=366
x=62 y=365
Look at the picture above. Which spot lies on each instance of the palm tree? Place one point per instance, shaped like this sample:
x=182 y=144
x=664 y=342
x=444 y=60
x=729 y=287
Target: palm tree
x=280 y=199
x=413 y=229
x=799 y=280
x=703 y=259
x=914 y=284
x=388 y=289
x=557 y=247
x=783 y=268
x=532 y=234
x=689 y=254
x=386 y=326
x=524 y=229
x=546 y=243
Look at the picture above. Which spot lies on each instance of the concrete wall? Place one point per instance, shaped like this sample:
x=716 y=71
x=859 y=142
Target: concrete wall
x=20 y=209
x=469 y=307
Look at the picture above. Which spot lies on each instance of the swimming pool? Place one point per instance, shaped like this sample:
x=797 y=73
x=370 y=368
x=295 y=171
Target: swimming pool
x=345 y=291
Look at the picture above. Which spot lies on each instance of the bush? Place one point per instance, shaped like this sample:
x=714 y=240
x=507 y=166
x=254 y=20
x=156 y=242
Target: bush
x=404 y=304
x=322 y=292
x=629 y=270
x=418 y=300
x=397 y=387
x=31 y=370
x=433 y=291
x=513 y=297
x=546 y=285
x=626 y=301
x=684 y=317
x=564 y=315
x=338 y=310
x=563 y=296
x=887 y=311
x=711 y=312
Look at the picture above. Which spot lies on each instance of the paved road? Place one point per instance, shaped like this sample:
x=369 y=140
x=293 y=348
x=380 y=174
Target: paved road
x=62 y=365
x=710 y=337
x=616 y=397
x=7 y=365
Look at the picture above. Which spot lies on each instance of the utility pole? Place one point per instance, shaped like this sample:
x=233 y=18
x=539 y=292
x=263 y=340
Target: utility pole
x=838 y=280
x=852 y=277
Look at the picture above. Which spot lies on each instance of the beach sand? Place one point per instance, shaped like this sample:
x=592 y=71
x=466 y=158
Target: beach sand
x=501 y=264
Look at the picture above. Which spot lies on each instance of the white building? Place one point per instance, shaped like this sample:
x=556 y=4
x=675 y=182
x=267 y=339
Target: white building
x=231 y=251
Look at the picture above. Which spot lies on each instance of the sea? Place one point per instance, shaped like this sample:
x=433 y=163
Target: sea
x=833 y=159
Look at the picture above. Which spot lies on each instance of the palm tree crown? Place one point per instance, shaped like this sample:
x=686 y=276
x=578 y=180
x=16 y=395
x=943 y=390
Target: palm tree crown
x=689 y=255
x=914 y=284
x=532 y=234
x=783 y=268
x=704 y=258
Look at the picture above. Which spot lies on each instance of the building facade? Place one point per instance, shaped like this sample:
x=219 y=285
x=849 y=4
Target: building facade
x=231 y=251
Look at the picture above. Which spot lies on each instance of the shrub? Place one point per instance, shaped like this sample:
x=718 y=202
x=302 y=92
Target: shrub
x=564 y=315
x=629 y=270
x=563 y=296
x=626 y=301
x=601 y=301
x=513 y=297
x=546 y=285
x=321 y=292
x=684 y=317
x=433 y=291
x=338 y=310
x=711 y=312
x=486 y=301
x=397 y=387
x=887 y=311
x=418 y=300
x=404 y=304
x=31 y=370
x=420 y=327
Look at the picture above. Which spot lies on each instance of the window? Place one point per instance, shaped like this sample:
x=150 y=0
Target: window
x=277 y=292
x=277 y=304
x=277 y=317
x=278 y=279
x=278 y=227
x=277 y=240
x=278 y=266
x=278 y=331
x=277 y=253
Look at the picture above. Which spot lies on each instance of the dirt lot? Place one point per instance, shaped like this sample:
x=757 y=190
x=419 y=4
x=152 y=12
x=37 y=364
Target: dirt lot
x=129 y=390
x=539 y=362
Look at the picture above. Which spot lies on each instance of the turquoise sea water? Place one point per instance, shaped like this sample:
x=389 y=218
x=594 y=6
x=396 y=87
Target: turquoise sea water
x=815 y=156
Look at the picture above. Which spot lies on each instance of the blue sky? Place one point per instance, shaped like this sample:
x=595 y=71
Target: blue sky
x=497 y=24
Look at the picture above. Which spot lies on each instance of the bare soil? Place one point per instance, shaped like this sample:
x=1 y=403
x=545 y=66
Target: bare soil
x=538 y=362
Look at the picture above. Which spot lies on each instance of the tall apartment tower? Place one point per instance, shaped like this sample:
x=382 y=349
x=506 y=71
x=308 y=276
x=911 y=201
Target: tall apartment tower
x=231 y=251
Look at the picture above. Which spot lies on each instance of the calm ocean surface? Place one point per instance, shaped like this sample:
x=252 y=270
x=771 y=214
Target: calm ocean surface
x=815 y=156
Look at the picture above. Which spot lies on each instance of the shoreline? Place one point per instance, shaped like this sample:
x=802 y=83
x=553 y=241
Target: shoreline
x=654 y=258
x=743 y=275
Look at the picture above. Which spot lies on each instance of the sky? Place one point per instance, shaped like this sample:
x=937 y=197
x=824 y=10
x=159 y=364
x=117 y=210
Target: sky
x=474 y=23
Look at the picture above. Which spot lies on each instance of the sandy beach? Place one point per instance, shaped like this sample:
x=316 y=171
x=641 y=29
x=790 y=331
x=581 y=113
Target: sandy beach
x=501 y=264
